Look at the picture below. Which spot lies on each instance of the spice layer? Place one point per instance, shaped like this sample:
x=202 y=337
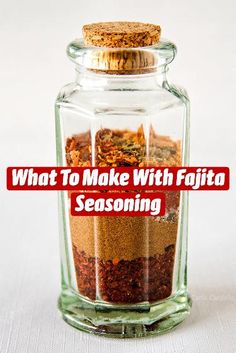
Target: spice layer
x=110 y=237
x=141 y=279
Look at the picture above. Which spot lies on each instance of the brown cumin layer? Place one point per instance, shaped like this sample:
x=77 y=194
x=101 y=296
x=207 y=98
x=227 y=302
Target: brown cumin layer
x=127 y=238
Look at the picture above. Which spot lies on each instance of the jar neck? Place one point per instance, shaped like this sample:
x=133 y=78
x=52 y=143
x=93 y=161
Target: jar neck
x=90 y=80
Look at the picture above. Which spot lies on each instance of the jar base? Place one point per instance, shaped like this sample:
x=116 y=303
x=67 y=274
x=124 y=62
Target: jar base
x=124 y=321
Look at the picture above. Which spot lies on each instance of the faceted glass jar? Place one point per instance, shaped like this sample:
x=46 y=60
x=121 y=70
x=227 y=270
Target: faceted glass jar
x=123 y=276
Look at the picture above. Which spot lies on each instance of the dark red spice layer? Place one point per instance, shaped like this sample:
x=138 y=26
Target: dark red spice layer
x=141 y=279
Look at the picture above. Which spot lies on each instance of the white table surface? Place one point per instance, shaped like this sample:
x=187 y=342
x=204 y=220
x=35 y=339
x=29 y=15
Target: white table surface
x=33 y=67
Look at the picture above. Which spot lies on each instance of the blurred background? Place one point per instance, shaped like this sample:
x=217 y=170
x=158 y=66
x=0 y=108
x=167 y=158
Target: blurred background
x=33 y=67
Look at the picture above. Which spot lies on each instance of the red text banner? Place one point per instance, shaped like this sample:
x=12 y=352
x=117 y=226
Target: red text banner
x=118 y=204
x=116 y=178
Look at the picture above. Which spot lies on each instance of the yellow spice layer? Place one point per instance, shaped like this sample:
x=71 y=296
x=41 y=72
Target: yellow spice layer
x=122 y=237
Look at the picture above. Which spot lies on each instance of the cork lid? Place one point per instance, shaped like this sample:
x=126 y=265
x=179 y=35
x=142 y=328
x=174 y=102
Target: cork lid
x=120 y=46
x=121 y=34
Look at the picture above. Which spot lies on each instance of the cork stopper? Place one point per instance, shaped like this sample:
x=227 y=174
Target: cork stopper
x=123 y=62
x=121 y=34
x=126 y=44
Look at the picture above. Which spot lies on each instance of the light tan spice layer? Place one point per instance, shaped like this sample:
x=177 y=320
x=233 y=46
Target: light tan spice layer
x=120 y=238
x=121 y=34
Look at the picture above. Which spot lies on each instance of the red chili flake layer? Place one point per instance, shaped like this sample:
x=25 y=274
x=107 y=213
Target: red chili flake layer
x=134 y=281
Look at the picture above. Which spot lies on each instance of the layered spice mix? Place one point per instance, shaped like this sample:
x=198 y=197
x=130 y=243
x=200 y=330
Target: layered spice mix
x=125 y=259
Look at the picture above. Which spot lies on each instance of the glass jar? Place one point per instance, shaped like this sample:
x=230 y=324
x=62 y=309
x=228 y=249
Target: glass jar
x=123 y=276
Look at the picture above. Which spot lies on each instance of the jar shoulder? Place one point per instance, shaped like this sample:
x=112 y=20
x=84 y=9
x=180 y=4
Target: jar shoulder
x=147 y=99
x=66 y=91
x=178 y=91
